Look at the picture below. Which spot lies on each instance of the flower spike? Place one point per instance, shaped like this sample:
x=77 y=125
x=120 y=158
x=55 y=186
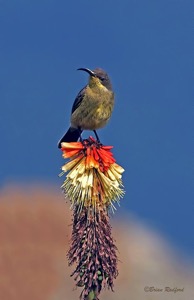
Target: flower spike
x=93 y=184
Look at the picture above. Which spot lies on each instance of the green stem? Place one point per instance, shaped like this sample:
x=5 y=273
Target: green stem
x=91 y=295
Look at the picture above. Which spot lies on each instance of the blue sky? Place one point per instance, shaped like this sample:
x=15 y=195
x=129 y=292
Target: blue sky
x=147 y=48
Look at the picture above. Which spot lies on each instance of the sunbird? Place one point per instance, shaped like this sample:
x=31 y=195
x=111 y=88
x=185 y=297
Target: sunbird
x=92 y=107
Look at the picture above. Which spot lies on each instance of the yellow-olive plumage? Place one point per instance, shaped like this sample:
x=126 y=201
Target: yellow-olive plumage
x=92 y=107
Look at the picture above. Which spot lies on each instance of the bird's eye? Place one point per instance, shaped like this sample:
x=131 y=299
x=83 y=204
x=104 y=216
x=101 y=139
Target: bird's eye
x=102 y=78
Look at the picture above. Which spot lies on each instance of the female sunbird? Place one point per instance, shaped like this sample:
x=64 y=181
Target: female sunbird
x=92 y=107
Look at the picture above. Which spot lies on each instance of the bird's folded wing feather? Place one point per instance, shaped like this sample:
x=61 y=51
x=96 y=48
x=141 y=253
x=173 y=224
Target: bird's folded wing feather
x=78 y=100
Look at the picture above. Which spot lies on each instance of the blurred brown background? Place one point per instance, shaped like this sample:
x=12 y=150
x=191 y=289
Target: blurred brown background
x=34 y=238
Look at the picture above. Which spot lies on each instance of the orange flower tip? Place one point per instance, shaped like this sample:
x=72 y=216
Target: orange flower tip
x=92 y=139
x=68 y=154
x=72 y=145
x=107 y=147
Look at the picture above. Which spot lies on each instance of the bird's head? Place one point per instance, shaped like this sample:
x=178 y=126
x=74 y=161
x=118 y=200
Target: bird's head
x=99 y=78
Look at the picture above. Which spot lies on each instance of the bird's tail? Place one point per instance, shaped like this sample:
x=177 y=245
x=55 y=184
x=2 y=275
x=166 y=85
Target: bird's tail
x=72 y=135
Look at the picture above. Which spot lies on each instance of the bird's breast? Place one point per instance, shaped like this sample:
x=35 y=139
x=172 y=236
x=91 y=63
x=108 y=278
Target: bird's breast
x=95 y=109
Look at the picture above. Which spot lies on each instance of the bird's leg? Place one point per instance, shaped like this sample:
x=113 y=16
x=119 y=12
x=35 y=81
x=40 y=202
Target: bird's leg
x=80 y=134
x=97 y=138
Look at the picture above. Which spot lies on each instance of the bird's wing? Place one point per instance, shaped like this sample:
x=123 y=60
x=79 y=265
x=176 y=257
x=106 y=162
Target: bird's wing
x=78 y=100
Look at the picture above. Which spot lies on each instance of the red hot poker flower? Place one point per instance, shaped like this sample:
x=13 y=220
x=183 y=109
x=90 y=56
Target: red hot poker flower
x=93 y=175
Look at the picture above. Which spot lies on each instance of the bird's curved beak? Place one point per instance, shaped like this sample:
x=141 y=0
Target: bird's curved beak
x=88 y=71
